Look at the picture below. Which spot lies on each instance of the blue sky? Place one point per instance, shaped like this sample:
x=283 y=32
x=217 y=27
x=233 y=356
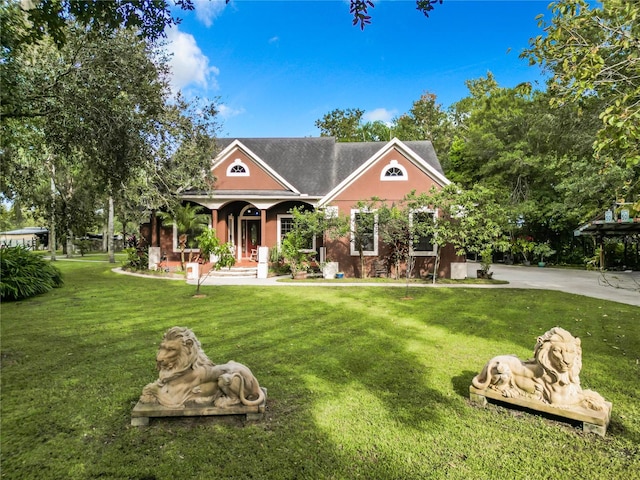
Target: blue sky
x=278 y=66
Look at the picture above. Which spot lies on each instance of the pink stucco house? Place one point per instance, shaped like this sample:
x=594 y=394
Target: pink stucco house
x=259 y=180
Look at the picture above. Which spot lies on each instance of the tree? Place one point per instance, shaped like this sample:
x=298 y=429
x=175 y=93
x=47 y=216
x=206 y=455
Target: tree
x=364 y=229
x=473 y=221
x=426 y=121
x=342 y=124
x=189 y=222
x=151 y=19
x=377 y=131
x=402 y=227
x=307 y=225
x=211 y=247
x=50 y=17
x=360 y=10
x=593 y=51
x=99 y=105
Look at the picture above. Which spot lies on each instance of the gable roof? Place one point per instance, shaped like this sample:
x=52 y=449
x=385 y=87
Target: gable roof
x=317 y=165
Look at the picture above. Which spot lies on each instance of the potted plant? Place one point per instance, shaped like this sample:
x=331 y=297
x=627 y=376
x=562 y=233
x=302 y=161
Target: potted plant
x=525 y=247
x=486 y=259
x=543 y=250
x=294 y=256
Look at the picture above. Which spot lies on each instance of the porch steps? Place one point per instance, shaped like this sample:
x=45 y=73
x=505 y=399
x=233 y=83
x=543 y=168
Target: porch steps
x=235 y=272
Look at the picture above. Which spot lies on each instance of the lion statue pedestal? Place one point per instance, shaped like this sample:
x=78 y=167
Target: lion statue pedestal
x=549 y=382
x=190 y=384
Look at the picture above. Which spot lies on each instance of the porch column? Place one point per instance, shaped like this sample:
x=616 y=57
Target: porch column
x=155 y=241
x=214 y=222
x=263 y=226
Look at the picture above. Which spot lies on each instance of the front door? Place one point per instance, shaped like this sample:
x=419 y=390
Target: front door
x=250 y=236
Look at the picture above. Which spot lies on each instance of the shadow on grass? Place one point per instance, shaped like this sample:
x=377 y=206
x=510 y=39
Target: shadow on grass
x=462 y=382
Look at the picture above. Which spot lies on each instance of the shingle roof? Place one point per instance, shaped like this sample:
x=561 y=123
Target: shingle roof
x=315 y=165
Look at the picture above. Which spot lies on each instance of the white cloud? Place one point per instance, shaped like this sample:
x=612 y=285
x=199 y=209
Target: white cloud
x=228 y=112
x=189 y=66
x=208 y=10
x=381 y=114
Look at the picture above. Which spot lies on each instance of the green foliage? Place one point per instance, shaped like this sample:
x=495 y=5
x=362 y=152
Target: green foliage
x=543 y=250
x=307 y=225
x=211 y=246
x=486 y=259
x=83 y=245
x=341 y=124
x=52 y=16
x=360 y=10
x=24 y=274
x=137 y=259
x=189 y=221
x=592 y=50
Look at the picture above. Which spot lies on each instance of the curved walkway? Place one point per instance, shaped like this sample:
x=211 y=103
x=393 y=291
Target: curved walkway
x=623 y=287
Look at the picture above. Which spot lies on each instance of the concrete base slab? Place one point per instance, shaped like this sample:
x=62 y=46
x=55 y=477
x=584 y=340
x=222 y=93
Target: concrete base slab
x=593 y=421
x=142 y=412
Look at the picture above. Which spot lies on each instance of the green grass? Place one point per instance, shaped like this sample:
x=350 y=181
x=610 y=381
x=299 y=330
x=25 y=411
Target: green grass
x=362 y=382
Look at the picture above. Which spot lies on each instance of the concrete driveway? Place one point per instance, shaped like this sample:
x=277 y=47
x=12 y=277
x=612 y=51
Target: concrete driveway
x=623 y=287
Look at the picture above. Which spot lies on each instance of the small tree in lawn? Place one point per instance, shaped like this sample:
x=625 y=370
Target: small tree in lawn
x=210 y=246
x=396 y=230
x=473 y=221
x=364 y=228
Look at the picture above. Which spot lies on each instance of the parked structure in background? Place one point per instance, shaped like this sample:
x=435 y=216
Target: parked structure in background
x=33 y=238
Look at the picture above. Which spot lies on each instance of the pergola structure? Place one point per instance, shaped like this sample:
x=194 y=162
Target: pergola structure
x=608 y=225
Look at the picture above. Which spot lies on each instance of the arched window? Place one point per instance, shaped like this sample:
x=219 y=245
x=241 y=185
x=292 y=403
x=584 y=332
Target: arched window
x=393 y=172
x=237 y=169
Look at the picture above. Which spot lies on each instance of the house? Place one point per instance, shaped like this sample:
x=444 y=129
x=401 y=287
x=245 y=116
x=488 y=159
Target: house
x=259 y=180
x=32 y=238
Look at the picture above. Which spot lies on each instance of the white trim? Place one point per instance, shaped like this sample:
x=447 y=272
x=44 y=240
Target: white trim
x=238 y=163
x=393 y=178
x=226 y=153
x=231 y=234
x=215 y=201
x=394 y=143
x=352 y=247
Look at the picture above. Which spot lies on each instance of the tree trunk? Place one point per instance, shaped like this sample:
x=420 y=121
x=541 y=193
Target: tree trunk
x=105 y=235
x=69 y=244
x=110 y=228
x=52 y=227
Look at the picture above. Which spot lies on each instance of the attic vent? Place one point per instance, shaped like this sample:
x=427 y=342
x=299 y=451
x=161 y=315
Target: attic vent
x=393 y=171
x=237 y=169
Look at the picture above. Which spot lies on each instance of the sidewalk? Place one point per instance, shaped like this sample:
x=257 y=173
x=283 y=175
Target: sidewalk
x=623 y=287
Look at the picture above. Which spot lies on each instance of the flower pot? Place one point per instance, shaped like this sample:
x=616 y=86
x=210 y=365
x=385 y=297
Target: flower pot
x=483 y=274
x=340 y=275
x=300 y=276
x=541 y=264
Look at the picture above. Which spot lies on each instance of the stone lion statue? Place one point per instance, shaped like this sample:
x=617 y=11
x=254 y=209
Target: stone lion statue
x=552 y=376
x=188 y=377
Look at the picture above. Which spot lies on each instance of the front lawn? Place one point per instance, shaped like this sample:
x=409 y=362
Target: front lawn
x=362 y=382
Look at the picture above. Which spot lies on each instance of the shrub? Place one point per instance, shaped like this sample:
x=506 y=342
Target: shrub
x=83 y=245
x=137 y=259
x=24 y=274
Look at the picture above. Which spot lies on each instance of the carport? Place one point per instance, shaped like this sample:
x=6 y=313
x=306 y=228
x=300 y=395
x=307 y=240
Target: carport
x=622 y=227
